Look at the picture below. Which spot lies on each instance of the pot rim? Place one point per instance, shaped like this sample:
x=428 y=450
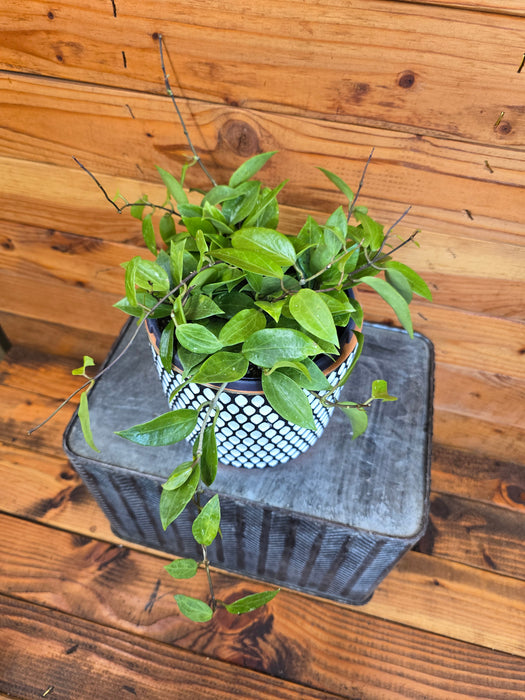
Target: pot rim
x=254 y=386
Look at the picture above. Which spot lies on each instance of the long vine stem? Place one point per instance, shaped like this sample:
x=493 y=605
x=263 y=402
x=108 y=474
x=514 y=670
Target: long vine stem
x=179 y=115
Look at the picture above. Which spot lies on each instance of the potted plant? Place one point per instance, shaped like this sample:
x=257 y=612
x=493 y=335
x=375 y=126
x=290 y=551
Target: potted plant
x=253 y=332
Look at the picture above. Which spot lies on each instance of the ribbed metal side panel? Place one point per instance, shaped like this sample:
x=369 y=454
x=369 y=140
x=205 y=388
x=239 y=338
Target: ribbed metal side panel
x=309 y=555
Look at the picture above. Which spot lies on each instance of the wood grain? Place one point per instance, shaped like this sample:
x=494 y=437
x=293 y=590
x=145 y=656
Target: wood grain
x=511 y=7
x=475 y=476
x=91 y=579
x=461 y=338
x=423 y=68
x=70 y=658
x=453 y=187
x=469 y=532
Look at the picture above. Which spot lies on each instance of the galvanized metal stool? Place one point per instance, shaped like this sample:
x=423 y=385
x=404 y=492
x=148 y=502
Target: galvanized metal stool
x=331 y=523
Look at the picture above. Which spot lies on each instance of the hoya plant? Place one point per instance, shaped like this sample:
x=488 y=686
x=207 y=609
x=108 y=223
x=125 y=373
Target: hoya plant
x=236 y=297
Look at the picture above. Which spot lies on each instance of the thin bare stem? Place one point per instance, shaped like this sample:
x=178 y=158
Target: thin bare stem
x=183 y=124
x=352 y=205
x=114 y=204
x=206 y=563
x=378 y=257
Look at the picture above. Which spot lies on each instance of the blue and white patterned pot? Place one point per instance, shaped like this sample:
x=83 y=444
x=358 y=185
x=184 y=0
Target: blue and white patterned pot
x=249 y=432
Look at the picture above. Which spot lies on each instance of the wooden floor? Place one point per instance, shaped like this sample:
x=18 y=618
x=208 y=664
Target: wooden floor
x=85 y=615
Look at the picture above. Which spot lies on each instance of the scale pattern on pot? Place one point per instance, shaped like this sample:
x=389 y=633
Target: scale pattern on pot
x=249 y=432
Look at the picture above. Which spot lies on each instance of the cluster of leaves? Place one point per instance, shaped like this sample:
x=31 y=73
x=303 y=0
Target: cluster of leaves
x=235 y=295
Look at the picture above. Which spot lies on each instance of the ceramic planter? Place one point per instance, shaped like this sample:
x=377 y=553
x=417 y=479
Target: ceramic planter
x=249 y=432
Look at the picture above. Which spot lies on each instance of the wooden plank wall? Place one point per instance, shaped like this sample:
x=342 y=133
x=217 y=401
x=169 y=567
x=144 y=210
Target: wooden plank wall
x=434 y=87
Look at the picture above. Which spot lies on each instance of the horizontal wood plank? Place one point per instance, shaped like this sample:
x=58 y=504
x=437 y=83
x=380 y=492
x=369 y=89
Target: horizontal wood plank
x=442 y=70
x=100 y=577
x=65 y=657
x=511 y=7
x=474 y=476
x=481 y=438
x=51 y=338
x=456 y=188
x=461 y=338
x=466 y=531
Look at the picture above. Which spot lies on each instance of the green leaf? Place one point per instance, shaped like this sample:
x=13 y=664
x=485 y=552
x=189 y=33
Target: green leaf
x=417 y=283
x=272 y=308
x=250 y=194
x=380 y=391
x=197 y=338
x=251 y=602
x=310 y=235
x=400 y=283
x=166 y=429
x=151 y=276
x=249 y=260
x=358 y=419
x=174 y=187
x=193 y=608
x=179 y=476
x=270 y=345
x=148 y=233
x=294 y=365
x=276 y=246
x=129 y=280
x=206 y=525
x=201 y=306
x=316 y=381
x=83 y=416
x=233 y=302
x=394 y=299
x=189 y=359
x=311 y=311
x=242 y=326
x=249 y=168
x=360 y=342
x=166 y=346
x=288 y=399
x=209 y=458
x=267 y=209
x=172 y=503
x=221 y=367
x=218 y=194
x=336 y=225
x=167 y=228
x=137 y=208
x=146 y=300
x=177 y=260
x=182 y=568
x=88 y=362
x=340 y=184
x=372 y=229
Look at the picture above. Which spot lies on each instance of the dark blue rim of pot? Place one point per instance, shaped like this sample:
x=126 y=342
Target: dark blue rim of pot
x=326 y=364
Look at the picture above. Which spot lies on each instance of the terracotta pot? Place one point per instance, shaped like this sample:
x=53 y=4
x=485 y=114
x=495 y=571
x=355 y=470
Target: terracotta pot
x=249 y=432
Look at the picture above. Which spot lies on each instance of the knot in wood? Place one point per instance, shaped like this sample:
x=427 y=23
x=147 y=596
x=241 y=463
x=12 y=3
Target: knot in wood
x=406 y=79
x=240 y=137
x=504 y=127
